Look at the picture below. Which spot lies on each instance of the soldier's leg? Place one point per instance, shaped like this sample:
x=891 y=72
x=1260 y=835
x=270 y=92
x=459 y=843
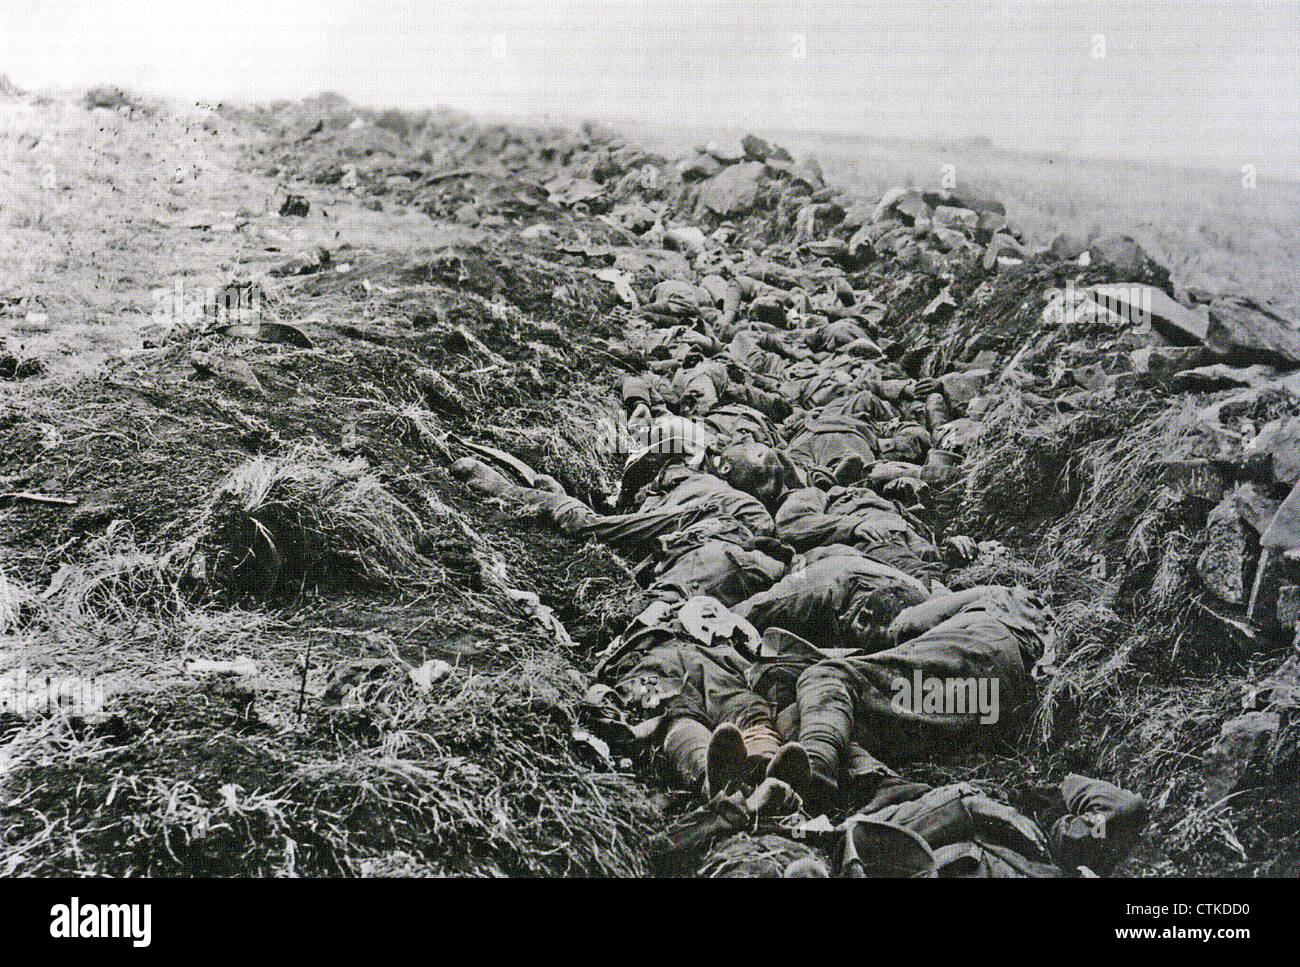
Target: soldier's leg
x=571 y=515
x=686 y=746
x=825 y=724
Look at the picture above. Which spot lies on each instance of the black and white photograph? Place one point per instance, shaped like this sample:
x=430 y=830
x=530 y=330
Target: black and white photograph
x=651 y=439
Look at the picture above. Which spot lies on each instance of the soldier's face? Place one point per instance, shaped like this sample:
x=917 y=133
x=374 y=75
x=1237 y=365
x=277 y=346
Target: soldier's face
x=757 y=474
x=865 y=631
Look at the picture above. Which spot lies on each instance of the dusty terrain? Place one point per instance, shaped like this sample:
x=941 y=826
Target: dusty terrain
x=408 y=664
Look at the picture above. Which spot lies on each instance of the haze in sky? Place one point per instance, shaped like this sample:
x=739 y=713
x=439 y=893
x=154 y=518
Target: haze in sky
x=1182 y=82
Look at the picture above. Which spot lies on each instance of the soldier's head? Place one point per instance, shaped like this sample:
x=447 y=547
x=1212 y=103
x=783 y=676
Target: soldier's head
x=873 y=613
x=689 y=403
x=755 y=469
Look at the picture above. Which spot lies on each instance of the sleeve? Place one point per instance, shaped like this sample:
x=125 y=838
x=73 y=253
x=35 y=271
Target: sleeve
x=1102 y=824
x=771 y=405
x=802 y=521
x=637 y=390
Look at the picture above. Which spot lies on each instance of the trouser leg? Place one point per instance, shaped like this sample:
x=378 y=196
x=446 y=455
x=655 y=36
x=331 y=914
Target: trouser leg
x=686 y=745
x=825 y=722
x=752 y=714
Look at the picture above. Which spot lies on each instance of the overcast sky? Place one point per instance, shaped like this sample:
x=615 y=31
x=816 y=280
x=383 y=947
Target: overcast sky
x=1185 y=82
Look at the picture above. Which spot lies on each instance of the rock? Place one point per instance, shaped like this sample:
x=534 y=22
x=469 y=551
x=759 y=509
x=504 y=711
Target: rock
x=1241 y=742
x=679 y=289
x=1143 y=304
x=809 y=173
x=1222 y=565
x=1067 y=248
x=857 y=214
x=958 y=219
x=1124 y=257
x=1001 y=244
x=1269 y=575
x=980 y=204
x=990 y=223
x=1091 y=377
x=569 y=191
x=1288 y=606
x=734 y=190
x=1211 y=379
x=1254 y=506
x=1166 y=359
x=860 y=244
x=1281 y=689
x=1280 y=440
x=949 y=239
x=684 y=238
x=701 y=166
x=1283 y=531
x=1247 y=332
x=756 y=149
x=726 y=151
x=906 y=204
x=959 y=434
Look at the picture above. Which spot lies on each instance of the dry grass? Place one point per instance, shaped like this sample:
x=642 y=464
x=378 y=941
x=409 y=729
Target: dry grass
x=311 y=517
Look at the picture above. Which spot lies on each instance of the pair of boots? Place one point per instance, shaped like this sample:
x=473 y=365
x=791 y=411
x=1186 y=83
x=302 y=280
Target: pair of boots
x=721 y=759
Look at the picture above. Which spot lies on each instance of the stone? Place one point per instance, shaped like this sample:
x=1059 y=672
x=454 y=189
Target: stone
x=1281 y=689
x=856 y=214
x=684 y=238
x=1166 y=359
x=860 y=244
x=949 y=239
x=1123 y=256
x=907 y=204
x=1269 y=575
x=681 y=290
x=958 y=219
x=734 y=190
x=1067 y=247
x=1145 y=304
x=962 y=386
x=980 y=204
x=1247 y=332
x=1212 y=379
x=809 y=172
x=1288 y=606
x=1222 y=565
x=999 y=245
x=1241 y=742
x=1280 y=440
x=756 y=149
x=701 y=166
x=726 y=151
x=990 y=223
x=1283 y=531
x=1254 y=506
